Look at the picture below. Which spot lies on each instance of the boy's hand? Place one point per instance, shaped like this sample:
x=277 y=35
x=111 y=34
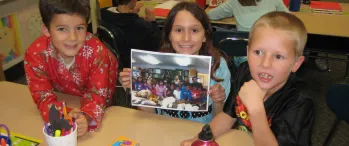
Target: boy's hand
x=217 y=93
x=125 y=77
x=188 y=142
x=149 y=15
x=137 y=8
x=80 y=120
x=251 y=95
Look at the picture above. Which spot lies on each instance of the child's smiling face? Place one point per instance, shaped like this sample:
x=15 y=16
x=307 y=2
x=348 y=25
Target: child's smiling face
x=68 y=33
x=187 y=34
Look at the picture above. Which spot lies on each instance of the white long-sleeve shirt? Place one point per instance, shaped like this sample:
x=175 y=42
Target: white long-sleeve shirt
x=245 y=15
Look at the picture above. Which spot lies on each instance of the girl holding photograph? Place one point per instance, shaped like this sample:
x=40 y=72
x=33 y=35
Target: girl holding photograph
x=188 y=30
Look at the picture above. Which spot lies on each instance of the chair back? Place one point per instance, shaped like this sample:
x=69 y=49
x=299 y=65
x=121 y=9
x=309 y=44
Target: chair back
x=232 y=43
x=111 y=37
x=338 y=100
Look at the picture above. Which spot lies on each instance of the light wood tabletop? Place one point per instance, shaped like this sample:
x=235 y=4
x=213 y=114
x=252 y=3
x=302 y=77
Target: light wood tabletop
x=322 y=24
x=20 y=114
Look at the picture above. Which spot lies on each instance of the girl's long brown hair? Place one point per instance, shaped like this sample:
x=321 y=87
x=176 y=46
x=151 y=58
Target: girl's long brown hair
x=249 y=2
x=207 y=48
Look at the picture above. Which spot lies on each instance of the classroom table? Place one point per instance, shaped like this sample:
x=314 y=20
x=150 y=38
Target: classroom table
x=20 y=114
x=321 y=24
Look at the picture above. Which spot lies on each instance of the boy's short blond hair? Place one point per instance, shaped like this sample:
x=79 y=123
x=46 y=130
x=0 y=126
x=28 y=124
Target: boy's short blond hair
x=286 y=22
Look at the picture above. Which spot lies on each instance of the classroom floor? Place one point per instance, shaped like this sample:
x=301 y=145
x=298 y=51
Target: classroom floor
x=316 y=86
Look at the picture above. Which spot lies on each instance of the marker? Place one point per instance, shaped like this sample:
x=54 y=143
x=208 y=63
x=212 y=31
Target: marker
x=48 y=131
x=74 y=127
x=3 y=142
x=57 y=133
x=64 y=110
x=63 y=132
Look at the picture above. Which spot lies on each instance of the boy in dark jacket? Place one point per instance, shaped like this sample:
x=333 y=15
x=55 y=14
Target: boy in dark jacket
x=263 y=98
x=138 y=33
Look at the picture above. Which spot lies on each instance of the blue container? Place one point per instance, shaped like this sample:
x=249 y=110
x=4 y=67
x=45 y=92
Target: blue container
x=294 y=5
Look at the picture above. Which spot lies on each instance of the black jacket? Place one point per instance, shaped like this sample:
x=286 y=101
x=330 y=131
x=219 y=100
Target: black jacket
x=137 y=33
x=291 y=112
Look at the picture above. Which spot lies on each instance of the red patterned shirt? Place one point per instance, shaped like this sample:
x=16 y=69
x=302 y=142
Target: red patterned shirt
x=243 y=122
x=92 y=76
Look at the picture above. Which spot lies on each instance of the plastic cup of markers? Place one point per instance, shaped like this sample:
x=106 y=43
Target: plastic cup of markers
x=66 y=140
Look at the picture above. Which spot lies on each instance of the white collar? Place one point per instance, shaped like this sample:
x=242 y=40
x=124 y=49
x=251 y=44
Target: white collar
x=113 y=9
x=67 y=65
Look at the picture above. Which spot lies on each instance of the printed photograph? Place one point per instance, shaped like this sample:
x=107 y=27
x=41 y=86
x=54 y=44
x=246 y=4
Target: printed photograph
x=170 y=81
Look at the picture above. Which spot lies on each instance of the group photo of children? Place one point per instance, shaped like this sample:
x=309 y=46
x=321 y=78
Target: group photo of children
x=165 y=86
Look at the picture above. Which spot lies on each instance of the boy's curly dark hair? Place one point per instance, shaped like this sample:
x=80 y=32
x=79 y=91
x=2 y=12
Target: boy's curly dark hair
x=49 y=8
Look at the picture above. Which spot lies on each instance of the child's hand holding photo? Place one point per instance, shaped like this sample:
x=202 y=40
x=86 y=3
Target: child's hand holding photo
x=217 y=93
x=125 y=77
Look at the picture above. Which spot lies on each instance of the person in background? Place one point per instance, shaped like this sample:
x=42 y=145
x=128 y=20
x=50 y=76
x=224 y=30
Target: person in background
x=176 y=80
x=160 y=89
x=195 y=94
x=246 y=12
x=138 y=33
x=139 y=84
x=203 y=95
x=196 y=83
x=169 y=90
x=153 y=91
x=186 y=94
x=177 y=93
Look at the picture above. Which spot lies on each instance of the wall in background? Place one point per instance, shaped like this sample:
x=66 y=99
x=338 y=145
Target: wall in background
x=16 y=71
x=15 y=5
x=18 y=29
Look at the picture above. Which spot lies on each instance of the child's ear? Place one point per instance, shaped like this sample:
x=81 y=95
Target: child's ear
x=45 y=30
x=298 y=63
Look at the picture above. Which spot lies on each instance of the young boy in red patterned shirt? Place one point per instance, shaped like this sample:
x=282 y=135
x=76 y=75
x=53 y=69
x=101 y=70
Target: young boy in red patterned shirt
x=68 y=59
